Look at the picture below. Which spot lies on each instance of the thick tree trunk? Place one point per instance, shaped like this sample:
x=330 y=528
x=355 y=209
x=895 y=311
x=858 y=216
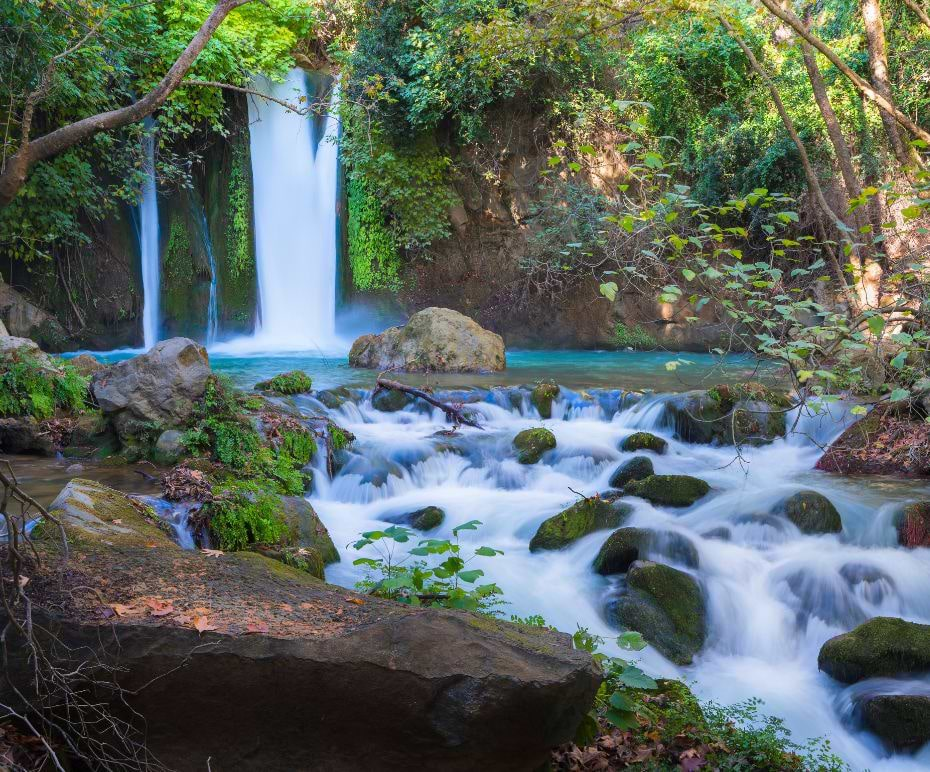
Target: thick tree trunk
x=861 y=85
x=878 y=66
x=31 y=151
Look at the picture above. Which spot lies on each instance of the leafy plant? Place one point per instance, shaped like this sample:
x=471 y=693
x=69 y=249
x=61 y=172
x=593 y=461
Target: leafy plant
x=241 y=514
x=633 y=337
x=31 y=388
x=441 y=577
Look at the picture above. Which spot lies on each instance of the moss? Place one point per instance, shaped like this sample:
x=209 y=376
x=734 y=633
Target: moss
x=338 y=438
x=334 y=398
x=580 y=519
x=903 y=720
x=300 y=446
x=28 y=387
x=811 y=512
x=234 y=241
x=532 y=443
x=707 y=416
x=425 y=519
x=637 y=468
x=626 y=546
x=390 y=401
x=673 y=490
x=542 y=396
x=644 y=441
x=293 y=382
x=305 y=559
x=883 y=646
x=239 y=516
x=667 y=607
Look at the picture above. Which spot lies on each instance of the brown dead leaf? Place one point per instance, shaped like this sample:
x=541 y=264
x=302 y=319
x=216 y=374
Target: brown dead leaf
x=151 y=544
x=256 y=627
x=356 y=601
x=182 y=619
x=159 y=608
x=212 y=553
x=202 y=624
x=121 y=609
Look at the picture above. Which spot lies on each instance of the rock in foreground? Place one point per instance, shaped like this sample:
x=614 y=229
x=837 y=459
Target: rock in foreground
x=883 y=646
x=276 y=679
x=433 y=340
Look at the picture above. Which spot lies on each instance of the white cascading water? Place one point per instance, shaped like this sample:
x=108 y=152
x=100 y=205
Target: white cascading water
x=148 y=242
x=212 y=310
x=774 y=594
x=294 y=173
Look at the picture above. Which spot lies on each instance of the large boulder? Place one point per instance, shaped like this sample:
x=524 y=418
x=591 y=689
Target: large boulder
x=902 y=720
x=667 y=607
x=883 y=646
x=626 y=546
x=532 y=443
x=433 y=340
x=87 y=364
x=744 y=413
x=155 y=389
x=25 y=319
x=268 y=665
x=671 y=490
x=811 y=512
x=581 y=518
x=23 y=347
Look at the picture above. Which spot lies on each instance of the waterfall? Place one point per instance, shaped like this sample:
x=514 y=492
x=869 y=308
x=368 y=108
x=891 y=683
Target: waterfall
x=212 y=315
x=148 y=241
x=294 y=172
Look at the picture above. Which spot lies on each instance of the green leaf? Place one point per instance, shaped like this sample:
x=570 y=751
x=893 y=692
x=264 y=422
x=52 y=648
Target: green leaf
x=635 y=678
x=898 y=394
x=471 y=575
x=899 y=361
x=688 y=274
x=622 y=719
x=876 y=325
x=859 y=410
x=609 y=290
x=471 y=525
x=488 y=552
x=620 y=701
x=631 y=641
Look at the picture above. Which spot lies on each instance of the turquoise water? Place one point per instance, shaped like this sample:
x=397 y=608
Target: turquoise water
x=631 y=370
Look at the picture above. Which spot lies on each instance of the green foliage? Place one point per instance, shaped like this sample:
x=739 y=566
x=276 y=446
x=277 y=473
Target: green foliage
x=633 y=337
x=338 y=439
x=239 y=220
x=293 y=382
x=373 y=253
x=434 y=573
x=300 y=446
x=27 y=388
x=240 y=515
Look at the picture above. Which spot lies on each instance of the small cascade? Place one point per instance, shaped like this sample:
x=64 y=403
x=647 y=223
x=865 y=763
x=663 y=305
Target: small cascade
x=200 y=218
x=295 y=175
x=148 y=241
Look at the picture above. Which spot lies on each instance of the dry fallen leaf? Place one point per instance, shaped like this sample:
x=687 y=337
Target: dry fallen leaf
x=356 y=601
x=151 y=544
x=256 y=627
x=202 y=624
x=182 y=619
x=159 y=608
x=212 y=553
x=121 y=610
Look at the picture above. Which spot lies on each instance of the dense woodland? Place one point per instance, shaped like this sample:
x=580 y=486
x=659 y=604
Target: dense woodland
x=726 y=177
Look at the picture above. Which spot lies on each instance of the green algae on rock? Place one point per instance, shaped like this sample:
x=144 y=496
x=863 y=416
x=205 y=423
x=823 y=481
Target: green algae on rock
x=672 y=490
x=626 y=546
x=811 y=512
x=644 y=441
x=580 y=519
x=883 y=646
x=636 y=468
x=542 y=397
x=532 y=443
x=292 y=382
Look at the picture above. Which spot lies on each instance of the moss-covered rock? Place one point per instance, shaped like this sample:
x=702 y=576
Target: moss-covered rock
x=335 y=398
x=532 y=443
x=902 y=720
x=390 y=400
x=883 y=646
x=626 y=546
x=644 y=441
x=811 y=512
x=292 y=382
x=306 y=529
x=542 y=397
x=914 y=525
x=671 y=490
x=636 y=468
x=665 y=605
x=583 y=517
x=748 y=413
x=424 y=519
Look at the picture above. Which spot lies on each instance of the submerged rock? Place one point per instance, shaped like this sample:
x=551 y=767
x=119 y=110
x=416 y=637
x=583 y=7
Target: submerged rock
x=667 y=607
x=433 y=340
x=749 y=413
x=671 y=490
x=287 y=658
x=292 y=382
x=811 y=512
x=637 y=468
x=580 y=519
x=883 y=646
x=902 y=720
x=390 y=400
x=158 y=388
x=542 y=397
x=644 y=441
x=914 y=525
x=423 y=519
x=626 y=546
x=335 y=398
x=532 y=443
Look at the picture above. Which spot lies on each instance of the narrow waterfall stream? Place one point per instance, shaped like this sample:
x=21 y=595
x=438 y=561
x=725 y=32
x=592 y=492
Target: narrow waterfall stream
x=148 y=242
x=294 y=169
x=773 y=594
x=200 y=217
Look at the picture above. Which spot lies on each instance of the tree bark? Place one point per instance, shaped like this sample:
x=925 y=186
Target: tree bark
x=452 y=413
x=31 y=151
x=878 y=66
x=919 y=10
x=861 y=85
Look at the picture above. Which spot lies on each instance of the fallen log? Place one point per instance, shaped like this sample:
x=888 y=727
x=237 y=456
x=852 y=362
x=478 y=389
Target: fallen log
x=454 y=414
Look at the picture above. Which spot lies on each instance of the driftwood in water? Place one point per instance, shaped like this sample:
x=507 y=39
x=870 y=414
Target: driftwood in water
x=454 y=414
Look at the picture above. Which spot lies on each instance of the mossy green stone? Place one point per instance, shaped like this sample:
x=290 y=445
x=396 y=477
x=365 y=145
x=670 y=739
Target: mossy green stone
x=390 y=401
x=334 y=398
x=903 y=720
x=542 y=397
x=811 y=512
x=293 y=382
x=883 y=646
x=644 y=441
x=425 y=519
x=671 y=490
x=580 y=519
x=532 y=443
x=636 y=468
x=667 y=607
x=626 y=546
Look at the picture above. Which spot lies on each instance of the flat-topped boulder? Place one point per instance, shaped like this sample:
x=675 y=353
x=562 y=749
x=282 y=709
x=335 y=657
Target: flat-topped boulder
x=158 y=388
x=433 y=340
x=883 y=646
x=270 y=664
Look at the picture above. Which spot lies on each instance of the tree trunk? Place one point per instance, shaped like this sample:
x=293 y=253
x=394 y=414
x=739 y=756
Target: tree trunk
x=919 y=10
x=878 y=66
x=31 y=151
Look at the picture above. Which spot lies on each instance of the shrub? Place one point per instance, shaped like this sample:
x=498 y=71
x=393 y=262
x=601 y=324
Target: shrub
x=633 y=337
x=29 y=388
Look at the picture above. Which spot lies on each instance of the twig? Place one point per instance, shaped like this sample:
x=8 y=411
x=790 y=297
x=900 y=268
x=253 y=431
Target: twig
x=454 y=414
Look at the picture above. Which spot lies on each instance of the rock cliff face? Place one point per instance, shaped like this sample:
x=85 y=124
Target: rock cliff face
x=286 y=671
